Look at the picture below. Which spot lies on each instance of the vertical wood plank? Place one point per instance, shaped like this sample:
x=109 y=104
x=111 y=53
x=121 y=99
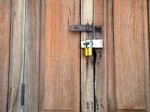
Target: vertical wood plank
x=134 y=110
x=110 y=54
x=87 y=71
x=4 y=52
x=16 y=55
x=42 y=54
x=31 y=66
x=131 y=54
x=110 y=58
x=146 y=33
x=99 y=12
x=100 y=18
x=62 y=56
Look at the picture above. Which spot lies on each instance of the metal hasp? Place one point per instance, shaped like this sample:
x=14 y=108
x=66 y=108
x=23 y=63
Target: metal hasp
x=85 y=28
x=89 y=44
x=94 y=43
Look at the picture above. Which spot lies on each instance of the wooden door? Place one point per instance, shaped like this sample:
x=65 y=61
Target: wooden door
x=129 y=79
x=42 y=66
x=62 y=57
x=116 y=78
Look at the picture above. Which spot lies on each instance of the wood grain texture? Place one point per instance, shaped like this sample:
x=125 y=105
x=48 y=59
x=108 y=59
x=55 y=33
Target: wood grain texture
x=61 y=111
x=131 y=110
x=110 y=57
x=31 y=66
x=42 y=55
x=62 y=56
x=87 y=70
x=131 y=54
x=16 y=55
x=4 y=52
x=147 y=53
x=100 y=18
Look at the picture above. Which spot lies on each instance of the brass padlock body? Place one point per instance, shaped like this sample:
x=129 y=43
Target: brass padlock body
x=88 y=51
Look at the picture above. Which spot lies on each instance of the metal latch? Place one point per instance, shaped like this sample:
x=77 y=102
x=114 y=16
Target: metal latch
x=94 y=43
x=88 y=44
x=85 y=28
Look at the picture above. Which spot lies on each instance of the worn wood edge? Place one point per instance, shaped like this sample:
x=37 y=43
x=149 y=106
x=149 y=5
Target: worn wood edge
x=61 y=111
x=104 y=108
x=4 y=50
x=100 y=66
x=42 y=55
x=146 y=16
x=132 y=110
x=110 y=57
x=147 y=75
x=87 y=72
x=31 y=66
x=16 y=56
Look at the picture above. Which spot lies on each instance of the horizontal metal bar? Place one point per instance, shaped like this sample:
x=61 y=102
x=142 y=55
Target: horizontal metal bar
x=85 y=28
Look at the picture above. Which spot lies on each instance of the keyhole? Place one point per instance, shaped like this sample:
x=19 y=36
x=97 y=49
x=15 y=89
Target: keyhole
x=88 y=43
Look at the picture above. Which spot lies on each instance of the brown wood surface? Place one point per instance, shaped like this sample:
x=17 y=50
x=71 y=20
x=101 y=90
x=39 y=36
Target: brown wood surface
x=24 y=56
x=4 y=52
x=62 y=56
x=147 y=32
x=110 y=58
x=16 y=55
x=147 y=57
x=42 y=55
x=131 y=54
x=134 y=110
x=100 y=76
x=31 y=66
x=87 y=70
x=61 y=111
x=45 y=56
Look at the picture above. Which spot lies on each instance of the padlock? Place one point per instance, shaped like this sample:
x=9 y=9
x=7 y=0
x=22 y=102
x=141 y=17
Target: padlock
x=88 y=51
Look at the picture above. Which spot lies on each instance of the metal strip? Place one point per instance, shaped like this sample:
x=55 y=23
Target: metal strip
x=94 y=43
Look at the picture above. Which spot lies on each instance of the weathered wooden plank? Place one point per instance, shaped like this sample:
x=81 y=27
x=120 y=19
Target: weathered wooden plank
x=131 y=110
x=146 y=27
x=147 y=33
x=62 y=56
x=42 y=55
x=61 y=110
x=100 y=18
x=4 y=52
x=110 y=57
x=16 y=55
x=131 y=54
x=87 y=71
x=99 y=12
x=31 y=66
